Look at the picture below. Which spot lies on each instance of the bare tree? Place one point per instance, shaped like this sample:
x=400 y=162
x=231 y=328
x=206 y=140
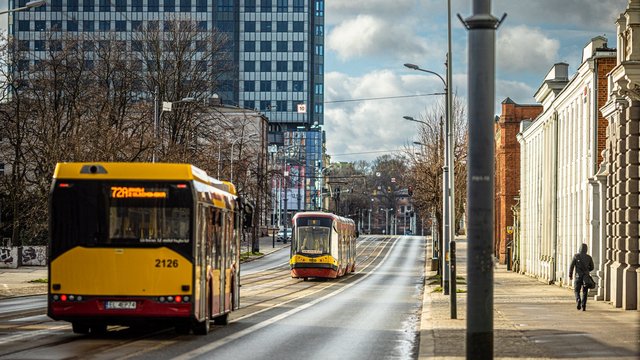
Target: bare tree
x=427 y=166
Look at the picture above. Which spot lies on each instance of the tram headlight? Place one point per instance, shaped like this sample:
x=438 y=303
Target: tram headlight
x=170 y=298
x=71 y=297
x=186 y=299
x=56 y=297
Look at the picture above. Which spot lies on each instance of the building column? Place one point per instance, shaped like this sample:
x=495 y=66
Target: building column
x=598 y=238
x=624 y=292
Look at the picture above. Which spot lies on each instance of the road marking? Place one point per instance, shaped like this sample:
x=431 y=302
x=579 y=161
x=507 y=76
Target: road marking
x=216 y=344
x=31 y=318
x=23 y=336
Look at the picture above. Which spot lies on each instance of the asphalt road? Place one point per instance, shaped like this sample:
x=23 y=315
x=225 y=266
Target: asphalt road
x=373 y=313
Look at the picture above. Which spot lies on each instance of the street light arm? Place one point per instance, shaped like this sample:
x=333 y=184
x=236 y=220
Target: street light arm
x=418 y=68
x=29 y=5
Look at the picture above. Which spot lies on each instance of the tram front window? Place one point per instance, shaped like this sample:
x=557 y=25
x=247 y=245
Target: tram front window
x=313 y=240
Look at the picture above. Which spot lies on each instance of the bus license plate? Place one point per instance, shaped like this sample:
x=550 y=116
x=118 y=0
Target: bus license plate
x=117 y=305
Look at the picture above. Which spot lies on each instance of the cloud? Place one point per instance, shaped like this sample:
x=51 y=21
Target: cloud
x=525 y=49
x=368 y=35
x=356 y=129
x=580 y=14
x=338 y=11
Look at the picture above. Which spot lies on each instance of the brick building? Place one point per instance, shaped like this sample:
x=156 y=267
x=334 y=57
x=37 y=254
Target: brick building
x=507 y=178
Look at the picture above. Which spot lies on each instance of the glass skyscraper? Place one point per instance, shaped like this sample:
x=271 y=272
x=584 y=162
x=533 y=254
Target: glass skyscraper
x=277 y=45
x=277 y=48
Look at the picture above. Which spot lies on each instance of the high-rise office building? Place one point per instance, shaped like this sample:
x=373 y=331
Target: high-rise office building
x=277 y=48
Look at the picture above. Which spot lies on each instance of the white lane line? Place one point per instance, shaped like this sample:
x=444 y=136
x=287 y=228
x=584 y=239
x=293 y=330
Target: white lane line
x=225 y=340
x=31 y=318
x=26 y=335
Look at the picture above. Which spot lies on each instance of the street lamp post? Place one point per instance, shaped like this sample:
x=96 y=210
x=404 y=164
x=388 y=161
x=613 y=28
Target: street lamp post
x=167 y=106
x=446 y=190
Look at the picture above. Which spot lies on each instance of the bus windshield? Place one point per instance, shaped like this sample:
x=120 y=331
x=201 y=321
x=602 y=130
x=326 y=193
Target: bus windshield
x=122 y=214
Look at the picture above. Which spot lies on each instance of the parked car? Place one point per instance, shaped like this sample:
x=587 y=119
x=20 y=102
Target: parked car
x=281 y=234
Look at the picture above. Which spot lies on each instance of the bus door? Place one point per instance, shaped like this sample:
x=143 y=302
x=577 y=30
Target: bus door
x=217 y=259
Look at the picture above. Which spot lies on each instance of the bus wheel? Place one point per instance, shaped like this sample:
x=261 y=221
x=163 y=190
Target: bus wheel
x=222 y=319
x=202 y=327
x=80 y=328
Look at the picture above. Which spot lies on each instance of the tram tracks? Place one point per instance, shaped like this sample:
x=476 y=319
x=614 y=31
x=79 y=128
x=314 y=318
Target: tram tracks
x=268 y=290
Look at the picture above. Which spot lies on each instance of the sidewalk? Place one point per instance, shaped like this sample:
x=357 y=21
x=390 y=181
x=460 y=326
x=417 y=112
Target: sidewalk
x=20 y=281
x=531 y=320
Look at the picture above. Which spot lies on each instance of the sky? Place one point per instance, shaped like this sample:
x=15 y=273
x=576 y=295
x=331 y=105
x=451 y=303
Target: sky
x=368 y=41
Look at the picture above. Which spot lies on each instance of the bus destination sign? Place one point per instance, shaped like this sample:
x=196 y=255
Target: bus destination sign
x=126 y=192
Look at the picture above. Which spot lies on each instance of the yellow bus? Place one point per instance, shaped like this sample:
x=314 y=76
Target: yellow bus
x=139 y=242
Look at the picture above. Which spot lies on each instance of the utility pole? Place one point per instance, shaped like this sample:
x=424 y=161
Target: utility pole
x=480 y=180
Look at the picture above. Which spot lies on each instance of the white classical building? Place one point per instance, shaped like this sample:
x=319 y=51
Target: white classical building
x=620 y=172
x=560 y=153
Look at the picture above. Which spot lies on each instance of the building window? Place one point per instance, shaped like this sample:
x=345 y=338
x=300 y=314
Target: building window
x=319 y=30
x=319 y=7
x=121 y=25
x=319 y=50
x=281 y=85
x=56 y=25
x=72 y=5
x=281 y=46
x=319 y=69
x=265 y=86
x=39 y=45
x=265 y=66
x=298 y=66
x=56 y=5
x=266 y=26
x=249 y=26
x=104 y=25
x=185 y=5
x=249 y=66
x=249 y=85
x=225 y=5
x=72 y=25
x=282 y=26
x=87 y=6
x=201 y=5
x=104 y=6
x=298 y=86
x=169 y=6
x=23 y=25
x=298 y=46
x=298 y=5
x=250 y=46
x=319 y=89
x=319 y=108
x=153 y=5
x=282 y=6
x=23 y=45
x=41 y=25
x=136 y=5
x=136 y=25
x=202 y=25
x=281 y=105
x=121 y=5
x=265 y=105
x=282 y=66
x=265 y=5
x=298 y=26
x=265 y=46
x=250 y=5
x=88 y=25
x=249 y=104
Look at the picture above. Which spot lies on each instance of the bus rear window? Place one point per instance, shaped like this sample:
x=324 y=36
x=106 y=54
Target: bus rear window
x=148 y=225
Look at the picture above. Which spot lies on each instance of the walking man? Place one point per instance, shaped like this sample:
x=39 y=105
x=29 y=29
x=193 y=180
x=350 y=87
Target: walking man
x=583 y=264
